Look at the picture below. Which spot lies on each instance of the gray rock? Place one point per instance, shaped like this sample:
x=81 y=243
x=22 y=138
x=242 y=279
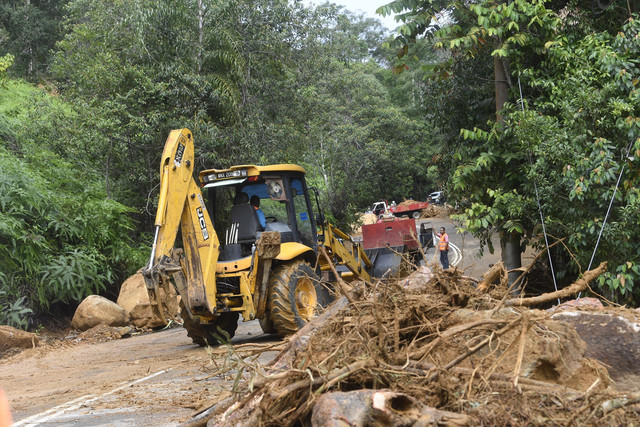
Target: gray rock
x=612 y=339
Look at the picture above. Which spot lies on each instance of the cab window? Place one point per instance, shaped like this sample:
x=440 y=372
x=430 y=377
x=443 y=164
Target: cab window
x=303 y=218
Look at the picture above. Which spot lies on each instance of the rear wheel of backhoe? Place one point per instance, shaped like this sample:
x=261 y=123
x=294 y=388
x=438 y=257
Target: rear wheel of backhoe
x=296 y=294
x=212 y=334
x=266 y=323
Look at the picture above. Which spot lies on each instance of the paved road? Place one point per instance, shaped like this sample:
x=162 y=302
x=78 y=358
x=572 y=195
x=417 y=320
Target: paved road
x=464 y=249
x=158 y=378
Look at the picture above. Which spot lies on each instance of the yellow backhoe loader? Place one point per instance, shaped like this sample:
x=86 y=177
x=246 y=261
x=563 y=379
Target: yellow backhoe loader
x=269 y=270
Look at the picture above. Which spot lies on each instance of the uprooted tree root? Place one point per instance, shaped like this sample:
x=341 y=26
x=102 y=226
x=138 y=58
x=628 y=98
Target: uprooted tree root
x=444 y=344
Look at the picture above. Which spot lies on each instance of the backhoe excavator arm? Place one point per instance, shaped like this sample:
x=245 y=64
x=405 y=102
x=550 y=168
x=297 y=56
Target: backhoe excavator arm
x=340 y=247
x=181 y=205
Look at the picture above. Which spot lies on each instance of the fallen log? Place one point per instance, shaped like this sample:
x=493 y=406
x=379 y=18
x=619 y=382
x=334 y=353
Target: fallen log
x=578 y=286
x=377 y=408
x=201 y=419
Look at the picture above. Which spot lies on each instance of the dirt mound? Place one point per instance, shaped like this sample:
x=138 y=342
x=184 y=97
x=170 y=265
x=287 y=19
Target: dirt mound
x=437 y=344
x=365 y=219
x=101 y=333
x=407 y=202
x=12 y=338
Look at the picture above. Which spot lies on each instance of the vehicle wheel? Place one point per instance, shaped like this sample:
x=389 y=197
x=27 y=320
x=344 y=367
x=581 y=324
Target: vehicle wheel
x=212 y=334
x=266 y=323
x=415 y=214
x=295 y=296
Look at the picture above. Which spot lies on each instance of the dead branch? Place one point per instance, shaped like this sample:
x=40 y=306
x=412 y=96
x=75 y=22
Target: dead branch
x=492 y=275
x=201 y=419
x=523 y=337
x=341 y=373
x=521 y=277
x=423 y=369
x=422 y=352
x=475 y=349
x=298 y=341
x=579 y=285
x=344 y=288
x=620 y=402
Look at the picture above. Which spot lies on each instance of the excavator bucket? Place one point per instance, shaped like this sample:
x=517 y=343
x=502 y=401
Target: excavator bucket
x=385 y=261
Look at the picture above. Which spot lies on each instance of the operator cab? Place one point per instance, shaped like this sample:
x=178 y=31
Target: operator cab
x=280 y=193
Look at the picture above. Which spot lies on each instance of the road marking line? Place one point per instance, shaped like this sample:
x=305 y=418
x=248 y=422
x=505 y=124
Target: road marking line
x=73 y=404
x=457 y=255
x=64 y=405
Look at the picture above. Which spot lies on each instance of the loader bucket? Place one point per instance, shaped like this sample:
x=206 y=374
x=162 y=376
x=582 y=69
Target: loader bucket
x=385 y=261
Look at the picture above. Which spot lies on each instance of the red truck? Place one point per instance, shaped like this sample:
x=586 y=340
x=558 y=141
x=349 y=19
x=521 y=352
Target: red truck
x=386 y=241
x=409 y=209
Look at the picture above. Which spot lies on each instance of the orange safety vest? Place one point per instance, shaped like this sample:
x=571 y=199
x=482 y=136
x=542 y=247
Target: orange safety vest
x=444 y=245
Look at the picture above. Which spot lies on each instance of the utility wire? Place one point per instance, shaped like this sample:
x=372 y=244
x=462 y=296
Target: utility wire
x=608 y=211
x=535 y=185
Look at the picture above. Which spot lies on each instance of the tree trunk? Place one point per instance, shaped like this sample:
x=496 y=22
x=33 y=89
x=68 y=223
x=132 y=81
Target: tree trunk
x=511 y=256
x=502 y=86
x=200 y=35
x=509 y=242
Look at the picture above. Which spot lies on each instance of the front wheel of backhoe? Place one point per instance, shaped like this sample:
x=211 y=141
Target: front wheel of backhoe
x=296 y=294
x=212 y=334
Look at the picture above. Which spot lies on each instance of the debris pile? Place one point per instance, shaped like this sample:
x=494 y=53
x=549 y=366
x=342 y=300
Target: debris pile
x=437 y=350
x=433 y=211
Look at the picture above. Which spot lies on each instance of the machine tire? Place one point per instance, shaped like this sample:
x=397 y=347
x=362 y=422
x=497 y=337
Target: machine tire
x=266 y=323
x=295 y=296
x=415 y=214
x=209 y=334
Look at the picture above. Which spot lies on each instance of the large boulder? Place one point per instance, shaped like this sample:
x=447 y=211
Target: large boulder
x=15 y=338
x=611 y=337
x=134 y=299
x=95 y=310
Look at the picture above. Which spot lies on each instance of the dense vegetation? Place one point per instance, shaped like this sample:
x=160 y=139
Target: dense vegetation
x=91 y=88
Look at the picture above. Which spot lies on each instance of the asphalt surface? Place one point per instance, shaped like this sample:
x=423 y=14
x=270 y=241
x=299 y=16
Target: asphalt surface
x=158 y=378
x=464 y=248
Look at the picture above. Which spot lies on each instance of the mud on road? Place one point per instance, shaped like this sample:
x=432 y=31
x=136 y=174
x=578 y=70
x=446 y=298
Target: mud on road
x=158 y=378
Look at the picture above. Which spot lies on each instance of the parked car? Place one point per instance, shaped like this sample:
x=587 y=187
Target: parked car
x=437 y=197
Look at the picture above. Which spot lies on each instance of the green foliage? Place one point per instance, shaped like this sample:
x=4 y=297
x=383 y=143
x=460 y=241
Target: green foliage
x=29 y=31
x=573 y=144
x=13 y=314
x=5 y=62
x=61 y=237
x=580 y=75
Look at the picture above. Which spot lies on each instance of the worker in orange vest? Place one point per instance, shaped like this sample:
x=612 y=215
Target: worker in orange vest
x=5 y=413
x=443 y=246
